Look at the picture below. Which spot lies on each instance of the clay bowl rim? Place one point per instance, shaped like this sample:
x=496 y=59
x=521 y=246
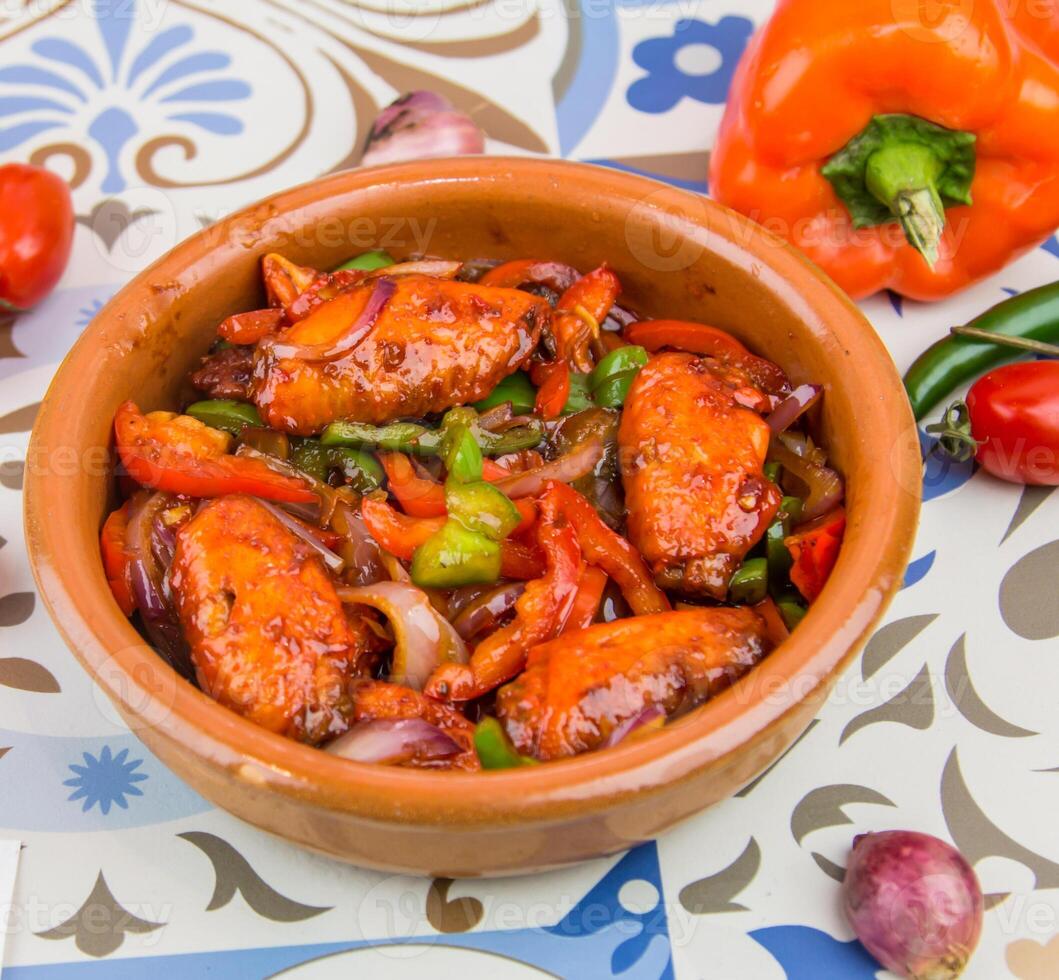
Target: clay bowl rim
x=804 y=667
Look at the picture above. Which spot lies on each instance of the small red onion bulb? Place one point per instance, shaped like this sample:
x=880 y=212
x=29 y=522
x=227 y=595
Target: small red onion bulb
x=914 y=902
x=418 y=126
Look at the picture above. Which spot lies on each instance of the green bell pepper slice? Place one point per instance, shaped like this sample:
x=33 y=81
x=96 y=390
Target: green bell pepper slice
x=223 y=413
x=361 y=470
x=480 y=507
x=463 y=455
x=612 y=377
x=750 y=583
x=494 y=748
x=580 y=397
x=455 y=557
x=515 y=388
x=397 y=437
x=792 y=611
x=366 y=261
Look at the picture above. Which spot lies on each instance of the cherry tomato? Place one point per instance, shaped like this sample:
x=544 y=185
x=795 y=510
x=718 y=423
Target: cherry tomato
x=36 y=233
x=1014 y=414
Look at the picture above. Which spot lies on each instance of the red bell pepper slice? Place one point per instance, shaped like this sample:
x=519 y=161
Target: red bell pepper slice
x=179 y=454
x=695 y=338
x=540 y=613
x=586 y=602
x=814 y=548
x=510 y=275
x=554 y=389
x=250 y=327
x=400 y=535
x=116 y=558
x=593 y=294
x=611 y=552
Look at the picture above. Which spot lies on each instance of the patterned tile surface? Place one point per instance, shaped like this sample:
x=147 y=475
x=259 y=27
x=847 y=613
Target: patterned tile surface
x=164 y=115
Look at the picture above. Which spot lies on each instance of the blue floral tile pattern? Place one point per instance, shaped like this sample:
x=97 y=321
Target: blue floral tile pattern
x=105 y=780
x=665 y=83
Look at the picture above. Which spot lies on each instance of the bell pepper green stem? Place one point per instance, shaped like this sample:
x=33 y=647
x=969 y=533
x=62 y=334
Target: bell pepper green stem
x=494 y=748
x=956 y=360
x=367 y=261
x=903 y=177
x=222 y=413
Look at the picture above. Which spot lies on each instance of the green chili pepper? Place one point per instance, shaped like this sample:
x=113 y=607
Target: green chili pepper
x=776 y=553
x=792 y=611
x=482 y=508
x=580 y=397
x=750 y=583
x=515 y=388
x=361 y=470
x=367 y=261
x=399 y=437
x=953 y=361
x=454 y=557
x=494 y=748
x=612 y=377
x=222 y=413
x=463 y=455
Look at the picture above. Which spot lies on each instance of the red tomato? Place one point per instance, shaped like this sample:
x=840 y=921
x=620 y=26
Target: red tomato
x=1014 y=414
x=36 y=233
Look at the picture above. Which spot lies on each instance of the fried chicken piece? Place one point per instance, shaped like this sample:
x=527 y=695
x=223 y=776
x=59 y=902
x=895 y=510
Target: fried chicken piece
x=436 y=343
x=269 y=637
x=380 y=700
x=225 y=374
x=576 y=690
x=692 y=459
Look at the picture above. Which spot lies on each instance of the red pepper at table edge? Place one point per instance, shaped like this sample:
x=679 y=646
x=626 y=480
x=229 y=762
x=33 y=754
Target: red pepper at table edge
x=36 y=234
x=817 y=75
x=189 y=458
x=814 y=550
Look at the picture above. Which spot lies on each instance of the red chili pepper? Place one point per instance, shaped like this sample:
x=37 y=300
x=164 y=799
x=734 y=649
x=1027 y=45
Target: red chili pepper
x=695 y=338
x=611 y=552
x=554 y=389
x=593 y=294
x=540 y=613
x=116 y=559
x=250 y=327
x=814 y=548
x=179 y=454
x=586 y=603
x=400 y=535
x=36 y=234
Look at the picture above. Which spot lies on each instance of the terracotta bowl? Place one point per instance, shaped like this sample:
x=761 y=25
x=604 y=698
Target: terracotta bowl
x=679 y=256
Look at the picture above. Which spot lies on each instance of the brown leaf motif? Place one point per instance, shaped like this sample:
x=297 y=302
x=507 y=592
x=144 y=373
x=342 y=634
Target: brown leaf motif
x=968 y=703
x=822 y=807
x=19 y=420
x=1029 y=594
x=714 y=894
x=451 y=915
x=1029 y=501
x=111 y=218
x=914 y=707
x=234 y=874
x=889 y=641
x=27 y=675
x=16 y=608
x=100 y=924
x=978 y=837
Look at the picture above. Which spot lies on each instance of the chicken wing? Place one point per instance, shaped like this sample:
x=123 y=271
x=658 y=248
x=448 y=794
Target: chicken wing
x=692 y=461
x=269 y=637
x=576 y=690
x=436 y=343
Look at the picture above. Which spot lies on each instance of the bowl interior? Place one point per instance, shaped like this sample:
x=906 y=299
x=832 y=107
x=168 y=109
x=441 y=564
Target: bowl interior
x=677 y=255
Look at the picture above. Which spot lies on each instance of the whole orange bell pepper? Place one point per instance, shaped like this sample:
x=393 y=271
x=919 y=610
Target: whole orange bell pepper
x=900 y=145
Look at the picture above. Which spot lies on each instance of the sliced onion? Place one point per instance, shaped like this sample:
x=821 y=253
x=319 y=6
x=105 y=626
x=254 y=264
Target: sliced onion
x=581 y=460
x=387 y=740
x=358 y=330
x=486 y=612
x=393 y=566
x=330 y=559
x=796 y=404
x=823 y=483
x=497 y=415
x=423 y=637
x=361 y=551
x=637 y=721
x=434 y=268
